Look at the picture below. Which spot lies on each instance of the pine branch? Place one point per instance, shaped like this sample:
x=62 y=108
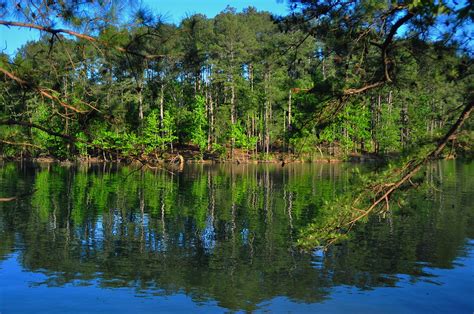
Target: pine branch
x=41 y=90
x=414 y=166
x=349 y=209
x=69 y=138
x=56 y=31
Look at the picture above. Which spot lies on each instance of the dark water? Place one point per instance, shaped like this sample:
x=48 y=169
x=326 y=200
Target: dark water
x=221 y=239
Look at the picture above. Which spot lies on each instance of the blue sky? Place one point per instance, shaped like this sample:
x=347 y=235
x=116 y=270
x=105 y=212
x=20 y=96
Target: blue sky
x=173 y=11
x=178 y=9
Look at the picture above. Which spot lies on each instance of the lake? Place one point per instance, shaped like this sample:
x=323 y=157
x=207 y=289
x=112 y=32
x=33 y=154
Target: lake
x=221 y=238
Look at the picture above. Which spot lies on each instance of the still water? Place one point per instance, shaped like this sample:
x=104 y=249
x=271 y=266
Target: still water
x=103 y=238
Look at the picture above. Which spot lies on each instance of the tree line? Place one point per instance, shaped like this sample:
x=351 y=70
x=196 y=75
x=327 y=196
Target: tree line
x=141 y=87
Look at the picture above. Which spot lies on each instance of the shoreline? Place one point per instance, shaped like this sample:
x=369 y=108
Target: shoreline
x=167 y=162
x=178 y=159
x=186 y=157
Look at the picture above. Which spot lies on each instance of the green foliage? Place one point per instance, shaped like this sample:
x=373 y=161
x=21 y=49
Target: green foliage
x=151 y=134
x=389 y=132
x=226 y=81
x=219 y=150
x=242 y=140
x=81 y=144
x=199 y=124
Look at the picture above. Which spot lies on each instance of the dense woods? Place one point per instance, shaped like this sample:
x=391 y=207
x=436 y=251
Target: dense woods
x=327 y=80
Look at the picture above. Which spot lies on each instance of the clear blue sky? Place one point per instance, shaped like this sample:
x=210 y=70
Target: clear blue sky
x=178 y=9
x=173 y=11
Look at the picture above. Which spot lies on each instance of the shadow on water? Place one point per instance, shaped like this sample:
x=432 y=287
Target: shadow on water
x=222 y=233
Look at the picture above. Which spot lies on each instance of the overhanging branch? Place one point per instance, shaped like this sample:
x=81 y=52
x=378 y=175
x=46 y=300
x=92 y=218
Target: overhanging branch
x=415 y=166
x=39 y=127
x=41 y=90
x=56 y=31
x=19 y=144
x=355 y=91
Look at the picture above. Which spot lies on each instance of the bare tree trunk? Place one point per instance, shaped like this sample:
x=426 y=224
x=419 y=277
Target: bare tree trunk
x=377 y=120
x=266 y=135
x=232 y=113
x=289 y=111
x=404 y=136
x=66 y=126
x=140 y=101
x=211 y=121
x=324 y=68
x=162 y=103
x=251 y=76
x=232 y=103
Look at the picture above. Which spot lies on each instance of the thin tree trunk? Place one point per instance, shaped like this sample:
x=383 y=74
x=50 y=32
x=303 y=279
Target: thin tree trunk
x=140 y=101
x=210 y=135
x=162 y=103
x=289 y=111
x=232 y=113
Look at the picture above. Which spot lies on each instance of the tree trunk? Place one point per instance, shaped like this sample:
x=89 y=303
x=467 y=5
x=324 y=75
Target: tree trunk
x=162 y=103
x=289 y=111
x=140 y=101
x=266 y=136
x=232 y=113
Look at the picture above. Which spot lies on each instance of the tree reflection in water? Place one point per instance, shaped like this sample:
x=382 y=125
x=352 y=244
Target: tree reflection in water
x=223 y=233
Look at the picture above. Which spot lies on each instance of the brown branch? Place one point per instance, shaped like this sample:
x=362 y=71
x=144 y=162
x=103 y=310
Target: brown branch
x=46 y=94
x=51 y=30
x=39 y=127
x=7 y=199
x=354 y=91
x=56 y=31
x=388 y=40
x=20 y=81
x=41 y=90
x=19 y=144
x=384 y=47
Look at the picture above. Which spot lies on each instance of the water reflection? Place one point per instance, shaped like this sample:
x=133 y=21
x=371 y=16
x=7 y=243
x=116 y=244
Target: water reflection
x=223 y=233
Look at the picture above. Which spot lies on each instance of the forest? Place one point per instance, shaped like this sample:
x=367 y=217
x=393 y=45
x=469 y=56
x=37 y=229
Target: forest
x=330 y=80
